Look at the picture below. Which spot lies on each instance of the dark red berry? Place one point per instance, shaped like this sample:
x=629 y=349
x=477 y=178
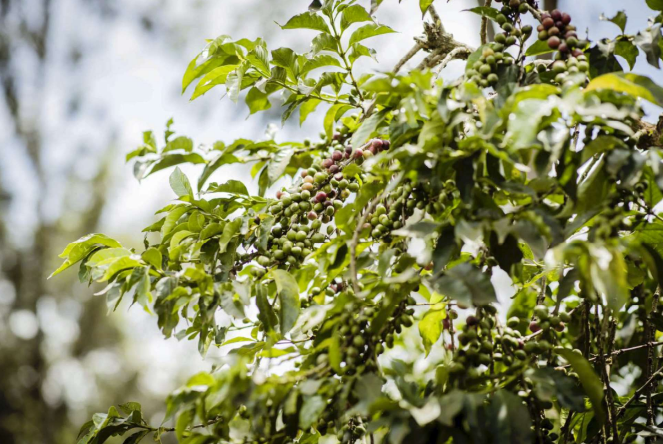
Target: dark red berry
x=321 y=196
x=566 y=19
x=358 y=153
x=556 y=14
x=337 y=136
x=534 y=327
x=554 y=42
x=386 y=144
x=348 y=149
x=326 y=163
x=312 y=215
x=577 y=53
x=563 y=47
x=279 y=194
x=471 y=321
x=338 y=176
x=553 y=31
x=548 y=23
x=446 y=323
x=337 y=155
x=377 y=145
x=334 y=169
x=540 y=28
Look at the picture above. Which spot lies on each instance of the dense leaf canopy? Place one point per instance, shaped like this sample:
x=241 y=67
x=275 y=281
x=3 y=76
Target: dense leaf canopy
x=357 y=290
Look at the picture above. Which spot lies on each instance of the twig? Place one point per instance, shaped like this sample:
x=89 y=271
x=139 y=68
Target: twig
x=638 y=393
x=411 y=53
x=484 y=24
x=535 y=12
x=649 y=335
x=453 y=55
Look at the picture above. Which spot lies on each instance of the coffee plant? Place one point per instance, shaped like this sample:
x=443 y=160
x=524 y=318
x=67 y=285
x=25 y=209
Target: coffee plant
x=355 y=291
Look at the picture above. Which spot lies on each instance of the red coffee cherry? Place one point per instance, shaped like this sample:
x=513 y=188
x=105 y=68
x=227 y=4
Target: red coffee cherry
x=554 y=42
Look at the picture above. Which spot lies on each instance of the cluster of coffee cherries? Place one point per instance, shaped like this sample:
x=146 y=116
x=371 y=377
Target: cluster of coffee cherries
x=484 y=70
x=391 y=214
x=335 y=287
x=476 y=347
x=556 y=29
x=401 y=318
x=351 y=431
x=563 y=68
x=355 y=336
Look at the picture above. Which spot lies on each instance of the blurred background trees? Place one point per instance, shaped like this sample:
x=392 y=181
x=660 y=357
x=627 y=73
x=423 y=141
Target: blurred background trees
x=80 y=79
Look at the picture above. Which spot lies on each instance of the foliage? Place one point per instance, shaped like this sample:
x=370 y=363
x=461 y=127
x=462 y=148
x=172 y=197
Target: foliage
x=396 y=224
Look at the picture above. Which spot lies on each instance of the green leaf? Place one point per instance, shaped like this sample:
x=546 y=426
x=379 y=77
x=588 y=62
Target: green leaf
x=550 y=384
x=276 y=167
x=235 y=80
x=631 y=84
x=619 y=19
x=79 y=249
x=588 y=378
x=307 y=108
x=324 y=42
x=354 y=14
x=335 y=355
x=136 y=437
x=285 y=58
x=179 y=143
x=232 y=186
x=537 y=48
x=106 y=255
x=257 y=100
x=319 y=62
x=180 y=184
x=483 y=11
x=153 y=257
x=229 y=231
x=312 y=408
x=358 y=50
x=648 y=41
x=509 y=419
x=217 y=76
x=288 y=292
x=118 y=265
x=466 y=284
x=368 y=127
x=656 y=5
x=374 y=5
x=143 y=295
x=266 y=313
x=168 y=161
x=330 y=119
x=307 y=20
x=424 y=5
x=171 y=219
x=430 y=326
x=368 y=31
x=626 y=49
x=195 y=70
